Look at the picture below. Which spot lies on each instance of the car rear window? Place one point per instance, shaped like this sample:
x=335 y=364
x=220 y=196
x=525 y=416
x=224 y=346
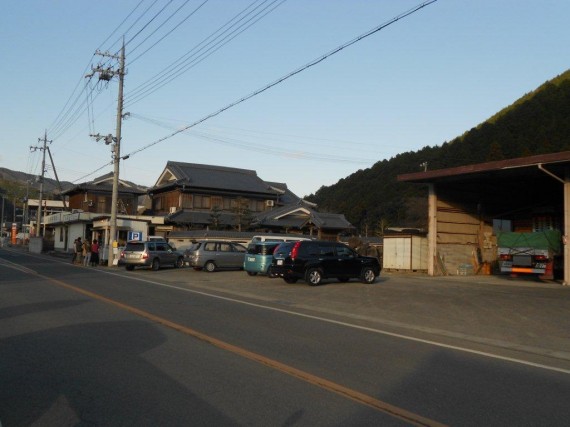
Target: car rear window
x=284 y=248
x=193 y=247
x=135 y=246
x=257 y=249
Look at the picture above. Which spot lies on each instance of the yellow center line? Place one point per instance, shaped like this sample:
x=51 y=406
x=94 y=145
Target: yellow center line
x=346 y=392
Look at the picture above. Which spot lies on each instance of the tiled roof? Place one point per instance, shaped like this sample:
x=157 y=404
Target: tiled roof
x=216 y=178
x=297 y=215
x=286 y=196
x=105 y=183
x=194 y=217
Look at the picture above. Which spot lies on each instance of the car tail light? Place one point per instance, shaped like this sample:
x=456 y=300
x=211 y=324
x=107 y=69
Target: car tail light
x=295 y=250
x=145 y=255
x=505 y=257
x=122 y=254
x=541 y=258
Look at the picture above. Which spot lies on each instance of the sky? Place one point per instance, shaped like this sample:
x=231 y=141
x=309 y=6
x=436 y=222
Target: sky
x=419 y=81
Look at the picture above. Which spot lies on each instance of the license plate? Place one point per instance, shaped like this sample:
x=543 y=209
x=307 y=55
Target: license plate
x=250 y=259
x=279 y=262
x=133 y=256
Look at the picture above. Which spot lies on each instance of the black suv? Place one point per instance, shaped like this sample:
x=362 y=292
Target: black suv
x=315 y=260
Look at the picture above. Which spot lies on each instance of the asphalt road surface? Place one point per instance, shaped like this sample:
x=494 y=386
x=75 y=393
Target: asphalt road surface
x=102 y=346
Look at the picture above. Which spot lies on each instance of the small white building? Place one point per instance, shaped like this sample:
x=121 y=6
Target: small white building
x=405 y=249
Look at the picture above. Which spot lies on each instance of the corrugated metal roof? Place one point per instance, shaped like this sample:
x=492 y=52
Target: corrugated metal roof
x=555 y=160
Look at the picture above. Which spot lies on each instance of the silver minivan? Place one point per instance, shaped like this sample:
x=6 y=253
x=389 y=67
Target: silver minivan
x=153 y=254
x=211 y=255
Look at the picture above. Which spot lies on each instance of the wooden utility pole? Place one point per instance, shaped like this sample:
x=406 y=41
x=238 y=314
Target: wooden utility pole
x=117 y=158
x=45 y=141
x=107 y=74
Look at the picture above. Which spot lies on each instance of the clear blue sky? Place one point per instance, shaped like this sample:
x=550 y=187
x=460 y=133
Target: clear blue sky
x=419 y=82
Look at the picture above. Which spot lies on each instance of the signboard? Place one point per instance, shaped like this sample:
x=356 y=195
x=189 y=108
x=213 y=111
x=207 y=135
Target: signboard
x=134 y=235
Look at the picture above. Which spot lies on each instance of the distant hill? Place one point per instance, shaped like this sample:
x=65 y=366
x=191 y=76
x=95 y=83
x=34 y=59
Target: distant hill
x=371 y=199
x=14 y=186
x=32 y=181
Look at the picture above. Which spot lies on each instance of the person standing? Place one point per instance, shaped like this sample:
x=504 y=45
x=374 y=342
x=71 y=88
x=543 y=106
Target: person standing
x=78 y=250
x=94 y=253
x=86 y=253
x=74 y=251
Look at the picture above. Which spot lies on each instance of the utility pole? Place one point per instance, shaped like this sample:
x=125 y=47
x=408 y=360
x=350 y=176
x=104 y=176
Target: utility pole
x=45 y=141
x=57 y=179
x=107 y=74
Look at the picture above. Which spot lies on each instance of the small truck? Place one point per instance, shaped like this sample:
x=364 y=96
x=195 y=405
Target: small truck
x=532 y=252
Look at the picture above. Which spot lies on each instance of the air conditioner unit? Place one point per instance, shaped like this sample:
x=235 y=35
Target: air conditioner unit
x=172 y=209
x=269 y=203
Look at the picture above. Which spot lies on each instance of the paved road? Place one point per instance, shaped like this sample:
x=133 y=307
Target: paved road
x=515 y=317
x=178 y=347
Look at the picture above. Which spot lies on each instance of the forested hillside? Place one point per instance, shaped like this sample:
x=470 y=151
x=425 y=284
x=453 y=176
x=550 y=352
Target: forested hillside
x=16 y=186
x=371 y=199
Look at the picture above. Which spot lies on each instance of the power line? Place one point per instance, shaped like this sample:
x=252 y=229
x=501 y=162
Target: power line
x=169 y=32
x=202 y=50
x=276 y=82
x=120 y=25
x=273 y=136
x=63 y=116
x=261 y=147
x=287 y=76
x=149 y=22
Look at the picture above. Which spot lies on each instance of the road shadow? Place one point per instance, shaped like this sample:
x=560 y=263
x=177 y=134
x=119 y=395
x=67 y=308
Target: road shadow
x=93 y=374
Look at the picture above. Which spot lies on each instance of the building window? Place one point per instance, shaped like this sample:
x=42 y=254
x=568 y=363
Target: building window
x=217 y=202
x=227 y=203
x=187 y=201
x=202 y=202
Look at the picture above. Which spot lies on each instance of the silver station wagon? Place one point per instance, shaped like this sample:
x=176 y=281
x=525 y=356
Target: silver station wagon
x=211 y=255
x=153 y=254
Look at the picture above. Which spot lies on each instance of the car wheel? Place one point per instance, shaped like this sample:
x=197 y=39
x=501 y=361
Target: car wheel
x=314 y=276
x=289 y=279
x=252 y=273
x=210 y=266
x=130 y=267
x=343 y=279
x=155 y=264
x=367 y=275
x=179 y=263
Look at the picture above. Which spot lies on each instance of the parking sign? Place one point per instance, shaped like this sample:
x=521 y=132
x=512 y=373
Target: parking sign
x=134 y=235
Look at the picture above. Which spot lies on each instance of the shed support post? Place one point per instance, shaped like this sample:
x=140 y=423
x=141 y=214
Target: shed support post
x=432 y=229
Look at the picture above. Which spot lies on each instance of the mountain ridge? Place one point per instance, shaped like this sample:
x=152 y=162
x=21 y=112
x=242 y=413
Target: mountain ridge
x=536 y=123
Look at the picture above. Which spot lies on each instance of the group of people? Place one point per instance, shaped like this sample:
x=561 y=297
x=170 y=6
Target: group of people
x=85 y=253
